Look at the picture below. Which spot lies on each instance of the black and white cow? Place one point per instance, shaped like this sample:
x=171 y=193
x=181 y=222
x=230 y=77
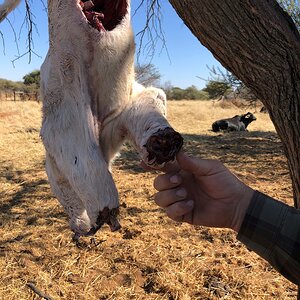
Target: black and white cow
x=236 y=123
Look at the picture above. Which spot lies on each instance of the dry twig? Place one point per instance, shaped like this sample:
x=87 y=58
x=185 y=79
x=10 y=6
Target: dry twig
x=32 y=286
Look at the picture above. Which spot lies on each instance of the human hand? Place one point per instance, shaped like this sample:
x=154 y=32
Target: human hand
x=203 y=192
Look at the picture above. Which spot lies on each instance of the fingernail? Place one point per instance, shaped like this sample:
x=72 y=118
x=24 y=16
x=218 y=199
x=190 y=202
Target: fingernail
x=181 y=193
x=174 y=179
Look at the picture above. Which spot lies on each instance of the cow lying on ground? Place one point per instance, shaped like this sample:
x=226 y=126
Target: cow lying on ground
x=91 y=104
x=236 y=123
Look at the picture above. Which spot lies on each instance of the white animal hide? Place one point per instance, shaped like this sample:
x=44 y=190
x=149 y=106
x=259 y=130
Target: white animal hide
x=91 y=104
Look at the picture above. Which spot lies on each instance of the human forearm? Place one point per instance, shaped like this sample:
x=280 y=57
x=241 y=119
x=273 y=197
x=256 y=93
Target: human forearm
x=272 y=230
x=241 y=206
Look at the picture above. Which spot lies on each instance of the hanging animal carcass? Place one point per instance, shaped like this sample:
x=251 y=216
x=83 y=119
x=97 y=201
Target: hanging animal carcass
x=91 y=104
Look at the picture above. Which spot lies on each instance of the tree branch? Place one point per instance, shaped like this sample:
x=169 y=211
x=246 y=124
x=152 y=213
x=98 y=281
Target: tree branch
x=7 y=7
x=30 y=24
x=152 y=29
x=37 y=291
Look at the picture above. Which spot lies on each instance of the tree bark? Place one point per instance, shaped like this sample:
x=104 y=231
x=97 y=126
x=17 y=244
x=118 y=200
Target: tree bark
x=259 y=43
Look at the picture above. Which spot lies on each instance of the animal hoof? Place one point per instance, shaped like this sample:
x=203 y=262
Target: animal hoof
x=108 y=216
x=163 y=146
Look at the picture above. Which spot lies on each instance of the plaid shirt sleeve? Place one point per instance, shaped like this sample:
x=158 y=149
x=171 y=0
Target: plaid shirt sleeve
x=272 y=230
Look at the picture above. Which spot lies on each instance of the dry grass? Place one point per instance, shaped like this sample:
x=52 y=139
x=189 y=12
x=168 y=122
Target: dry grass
x=151 y=257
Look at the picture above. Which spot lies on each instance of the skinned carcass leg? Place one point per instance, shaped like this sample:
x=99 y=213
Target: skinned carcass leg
x=154 y=138
x=144 y=124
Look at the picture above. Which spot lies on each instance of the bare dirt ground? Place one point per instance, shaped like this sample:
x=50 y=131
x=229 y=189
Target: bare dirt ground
x=151 y=257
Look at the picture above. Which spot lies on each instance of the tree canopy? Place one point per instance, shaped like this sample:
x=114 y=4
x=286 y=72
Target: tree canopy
x=147 y=74
x=190 y=93
x=32 y=78
x=30 y=84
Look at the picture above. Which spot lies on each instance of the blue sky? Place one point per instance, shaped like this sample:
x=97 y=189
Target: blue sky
x=183 y=59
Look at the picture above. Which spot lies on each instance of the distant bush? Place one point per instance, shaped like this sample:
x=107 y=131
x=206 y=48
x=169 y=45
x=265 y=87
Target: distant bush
x=190 y=93
x=16 y=90
x=226 y=84
x=31 y=84
x=11 y=86
x=217 y=89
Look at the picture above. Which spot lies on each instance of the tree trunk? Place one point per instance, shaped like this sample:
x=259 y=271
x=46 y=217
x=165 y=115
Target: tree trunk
x=258 y=42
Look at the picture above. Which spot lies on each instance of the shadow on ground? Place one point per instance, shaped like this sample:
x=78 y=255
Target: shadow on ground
x=256 y=145
x=29 y=201
x=28 y=195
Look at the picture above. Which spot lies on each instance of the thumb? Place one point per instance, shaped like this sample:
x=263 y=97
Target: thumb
x=200 y=167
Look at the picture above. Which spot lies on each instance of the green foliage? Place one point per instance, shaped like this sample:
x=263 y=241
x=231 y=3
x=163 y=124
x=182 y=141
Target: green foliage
x=31 y=85
x=32 y=78
x=292 y=7
x=10 y=86
x=217 y=88
x=190 y=93
x=228 y=85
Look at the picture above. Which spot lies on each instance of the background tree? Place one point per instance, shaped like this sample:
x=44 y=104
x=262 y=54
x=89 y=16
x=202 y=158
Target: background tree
x=11 y=86
x=224 y=83
x=217 y=88
x=258 y=42
x=190 y=93
x=32 y=78
x=175 y=93
x=147 y=74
